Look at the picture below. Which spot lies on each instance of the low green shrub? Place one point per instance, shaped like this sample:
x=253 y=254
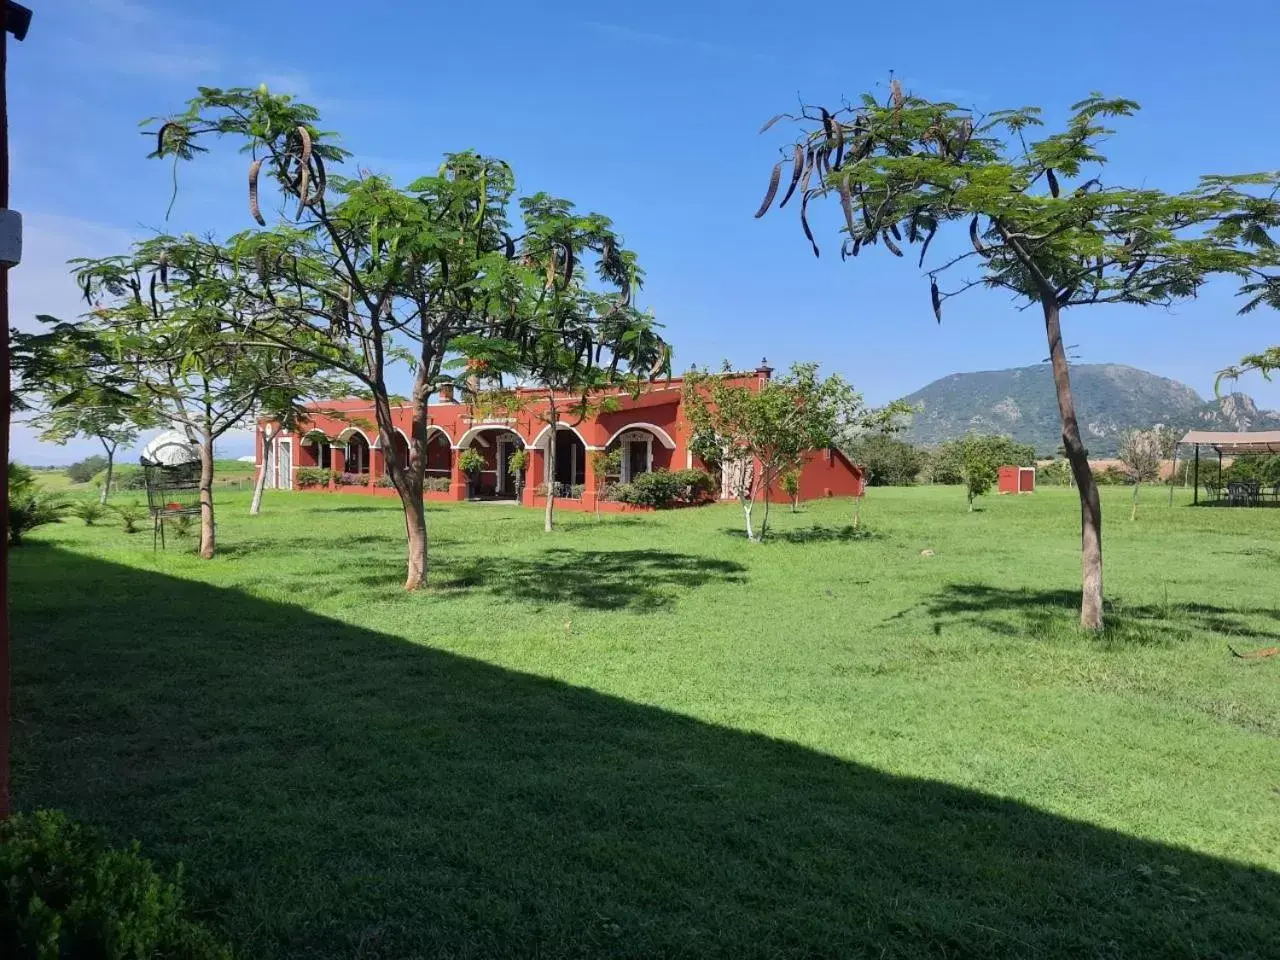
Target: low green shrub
x=383 y=482
x=308 y=477
x=130 y=515
x=65 y=893
x=437 y=484
x=90 y=511
x=664 y=488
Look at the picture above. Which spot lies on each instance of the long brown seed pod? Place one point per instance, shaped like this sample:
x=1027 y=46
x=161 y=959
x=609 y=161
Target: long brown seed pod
x=810 y=161
x=253 y=192
x=846 y=203
x=936 y=297
x=804 y=223
x=155 y=305
x=568 y=264
x=826 y=124
x=797 y=168
x=774 y=178
x=893 y=228
x=927 y=240
x=839 y=146
x=321 y=179
x=771 y=121
x=164 y=271
x=164 y=128
x=304 y=187
x=1053 y=181
x=888 y=242
x=509 y=246
x=913 y=227
x=857 y=245
x=304 y=138
x=974 y=238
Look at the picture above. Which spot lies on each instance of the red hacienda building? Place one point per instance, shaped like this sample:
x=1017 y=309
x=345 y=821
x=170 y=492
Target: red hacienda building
x=651 y=430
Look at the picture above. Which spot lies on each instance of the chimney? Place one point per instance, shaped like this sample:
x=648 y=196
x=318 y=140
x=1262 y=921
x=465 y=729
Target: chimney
x=764 y=372
x=446 y=393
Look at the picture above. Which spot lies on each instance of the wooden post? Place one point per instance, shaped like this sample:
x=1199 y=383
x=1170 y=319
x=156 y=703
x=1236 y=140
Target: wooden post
x=1173 y=477
x=1195 y=480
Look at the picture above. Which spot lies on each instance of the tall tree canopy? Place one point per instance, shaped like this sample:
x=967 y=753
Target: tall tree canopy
x=1041 y=223
x=363 y=273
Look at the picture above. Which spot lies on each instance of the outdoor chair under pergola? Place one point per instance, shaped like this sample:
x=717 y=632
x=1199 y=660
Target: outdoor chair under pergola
x=1223 y=443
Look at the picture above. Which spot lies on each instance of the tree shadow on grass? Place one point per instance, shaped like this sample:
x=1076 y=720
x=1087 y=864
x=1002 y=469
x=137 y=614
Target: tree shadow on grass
x=817 y=533
x=1024 y=612
x=591 y=579
x=338 y=792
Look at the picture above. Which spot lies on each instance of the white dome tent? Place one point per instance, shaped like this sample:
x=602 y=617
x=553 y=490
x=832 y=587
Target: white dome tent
x=171 y=465
x=170 y=449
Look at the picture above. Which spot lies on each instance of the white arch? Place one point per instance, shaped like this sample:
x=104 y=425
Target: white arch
x=464 y=441
x=440 y=430
x=348 y=433
x=661 y=435
x=538 y=441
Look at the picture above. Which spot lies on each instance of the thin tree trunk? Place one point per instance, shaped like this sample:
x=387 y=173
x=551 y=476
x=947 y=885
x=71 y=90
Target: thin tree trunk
x=206 y=497
x=764 y=521
x=255 y=505
x=857 y=513
x=1078 y=457
x=548 y=518
x=415 y=528
x=746 y=509
x=106 y=484
x=1133 y=514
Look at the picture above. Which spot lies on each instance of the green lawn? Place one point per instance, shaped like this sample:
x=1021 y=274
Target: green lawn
x=642 y=736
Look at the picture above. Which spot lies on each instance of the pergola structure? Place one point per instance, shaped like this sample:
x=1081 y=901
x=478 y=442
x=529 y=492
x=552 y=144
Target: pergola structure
x=1228 y=443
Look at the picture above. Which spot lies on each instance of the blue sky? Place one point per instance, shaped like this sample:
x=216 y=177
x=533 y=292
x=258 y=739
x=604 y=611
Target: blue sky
x=648 y=113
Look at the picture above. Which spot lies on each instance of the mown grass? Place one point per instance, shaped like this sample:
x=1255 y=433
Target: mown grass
x=642 y=736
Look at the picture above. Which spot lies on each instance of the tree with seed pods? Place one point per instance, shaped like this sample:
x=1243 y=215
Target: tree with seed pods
x=164 y=335
x=1040 y=224
x=358 y=273
x=577 y=340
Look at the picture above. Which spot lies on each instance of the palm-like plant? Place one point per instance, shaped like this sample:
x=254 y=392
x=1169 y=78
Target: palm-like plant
x=31 y=509
x=90 y=511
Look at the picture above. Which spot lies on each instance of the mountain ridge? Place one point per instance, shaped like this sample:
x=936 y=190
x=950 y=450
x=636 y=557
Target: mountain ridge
x=1110 y=397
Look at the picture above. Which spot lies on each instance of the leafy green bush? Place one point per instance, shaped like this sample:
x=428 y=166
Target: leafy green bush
x=124 y=477
x=65 y=893
x=1055 y=473
x=308 y=477
x=90 y=511
x=181 y=525
x=663 y=488
x=619 y=493
x=1263 y=470
x=30 y=510
x=471 y=461
x=383 y=482
x=889 y=462
x=1111 y=476
x=130 y=515
x=82 y=471
x=951 y=462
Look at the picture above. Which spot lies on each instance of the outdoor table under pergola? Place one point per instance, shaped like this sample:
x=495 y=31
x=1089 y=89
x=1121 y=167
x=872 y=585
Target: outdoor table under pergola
x=1232 y=445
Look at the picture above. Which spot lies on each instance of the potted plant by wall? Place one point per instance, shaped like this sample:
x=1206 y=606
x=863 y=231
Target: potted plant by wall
x=517 y=463
x=471 y=462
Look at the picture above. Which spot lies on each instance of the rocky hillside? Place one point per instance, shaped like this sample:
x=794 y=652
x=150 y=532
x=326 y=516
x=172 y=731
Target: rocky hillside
x=1109 y=399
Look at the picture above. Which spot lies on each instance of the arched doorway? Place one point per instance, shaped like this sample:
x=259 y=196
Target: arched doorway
x=439 y=460
x=496 y=444
x=642 y=448
x=571 y=461
x=314 y=450
x=356 y=455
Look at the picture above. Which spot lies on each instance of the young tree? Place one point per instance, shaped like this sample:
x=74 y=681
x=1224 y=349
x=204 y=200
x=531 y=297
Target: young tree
x=757 y=435
x=578 y=341
x=903 y=169
x=91 y=412
x=791 y=485
x=1142 y=452
x=371 y=273
x=164 y=339
x=980 y=472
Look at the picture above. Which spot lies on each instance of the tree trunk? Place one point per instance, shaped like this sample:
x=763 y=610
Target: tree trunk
x=106 y=484
x=1133 y=514
x=857 y=513
x=764 y=521
x=206 y=498
x=415 y=528
x=255 y=505
x=746 y=509
x=1078 y=457
x=548 y=518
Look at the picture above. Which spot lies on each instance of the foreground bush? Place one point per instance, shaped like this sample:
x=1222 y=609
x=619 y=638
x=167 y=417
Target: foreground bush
x=312 y=477
x=65 y=893
x=664 y=488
